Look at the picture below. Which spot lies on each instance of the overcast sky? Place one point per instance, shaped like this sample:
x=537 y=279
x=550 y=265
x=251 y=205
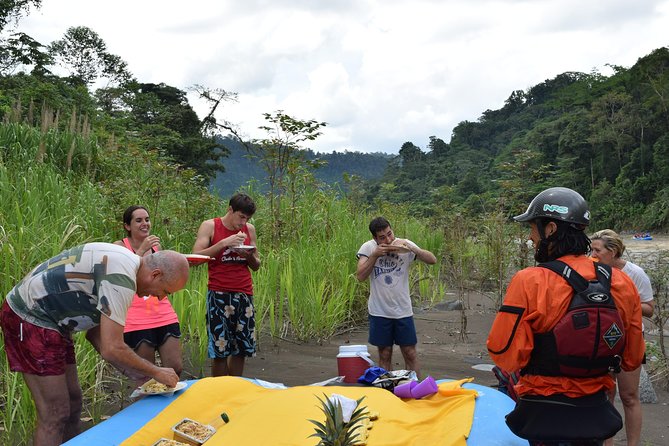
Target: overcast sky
x=379 y=72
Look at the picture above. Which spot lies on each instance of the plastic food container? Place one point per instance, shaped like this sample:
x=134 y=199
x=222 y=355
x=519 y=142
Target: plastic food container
x=168 y=442
x=191 y=438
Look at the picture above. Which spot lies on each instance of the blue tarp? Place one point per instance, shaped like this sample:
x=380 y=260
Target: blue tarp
x=488 y=428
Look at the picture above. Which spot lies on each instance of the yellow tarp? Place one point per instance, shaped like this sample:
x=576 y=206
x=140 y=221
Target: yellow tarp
x=260 y=416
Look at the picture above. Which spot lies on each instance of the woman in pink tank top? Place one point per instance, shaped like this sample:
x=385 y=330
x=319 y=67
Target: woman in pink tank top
x=151 y=324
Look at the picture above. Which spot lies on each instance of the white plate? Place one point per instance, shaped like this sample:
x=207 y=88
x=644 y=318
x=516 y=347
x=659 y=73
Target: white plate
x=400 y=248
x=243 y=248
x=180 y=385
x=483 y=367
x=197 y=259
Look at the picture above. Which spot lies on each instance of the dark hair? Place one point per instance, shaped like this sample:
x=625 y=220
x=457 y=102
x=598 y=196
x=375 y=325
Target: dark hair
x=378 y=224
x=127 y=215
x=566 y=240
x=244 y=203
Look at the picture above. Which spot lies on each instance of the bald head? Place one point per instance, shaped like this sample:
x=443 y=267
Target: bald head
x=162 y=273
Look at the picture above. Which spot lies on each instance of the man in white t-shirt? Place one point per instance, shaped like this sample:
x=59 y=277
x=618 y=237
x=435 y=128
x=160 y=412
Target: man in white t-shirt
x=386 y=260
x=86 y=288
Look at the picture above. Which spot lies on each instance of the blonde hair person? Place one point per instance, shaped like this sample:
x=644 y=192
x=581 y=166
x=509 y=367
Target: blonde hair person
x=608 y=247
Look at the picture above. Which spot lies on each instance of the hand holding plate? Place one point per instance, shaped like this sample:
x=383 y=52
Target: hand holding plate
x=401 y=245
x=245 y=251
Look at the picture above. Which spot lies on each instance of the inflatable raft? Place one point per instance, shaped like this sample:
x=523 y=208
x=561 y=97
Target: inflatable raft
x=150 y=418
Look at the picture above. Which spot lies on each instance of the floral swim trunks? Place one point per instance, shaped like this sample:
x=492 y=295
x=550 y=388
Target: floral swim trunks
x=231 y=324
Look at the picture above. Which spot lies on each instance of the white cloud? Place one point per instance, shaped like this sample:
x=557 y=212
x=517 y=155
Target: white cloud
x=380 y=72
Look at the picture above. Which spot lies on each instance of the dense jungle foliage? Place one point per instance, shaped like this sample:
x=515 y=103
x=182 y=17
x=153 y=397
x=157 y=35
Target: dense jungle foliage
x=606 y=137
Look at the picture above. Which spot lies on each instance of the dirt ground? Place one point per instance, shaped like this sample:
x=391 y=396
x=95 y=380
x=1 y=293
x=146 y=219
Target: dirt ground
x=441 y=350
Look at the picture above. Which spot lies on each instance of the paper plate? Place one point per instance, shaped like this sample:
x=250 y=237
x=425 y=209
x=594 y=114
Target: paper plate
x=180 y=385
x=197 y=259
x=483 y=367
x=400 y=248
x=243 y=248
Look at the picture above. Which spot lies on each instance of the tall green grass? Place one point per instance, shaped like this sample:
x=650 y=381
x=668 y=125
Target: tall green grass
x=58 y=202
x=305 y=288
x=191 y=308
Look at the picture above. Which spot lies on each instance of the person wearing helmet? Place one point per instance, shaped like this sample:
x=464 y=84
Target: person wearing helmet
x=559 y=404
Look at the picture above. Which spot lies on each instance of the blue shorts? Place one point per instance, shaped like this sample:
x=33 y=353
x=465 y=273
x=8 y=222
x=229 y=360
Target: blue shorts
x=384 y=332
x=231 y=324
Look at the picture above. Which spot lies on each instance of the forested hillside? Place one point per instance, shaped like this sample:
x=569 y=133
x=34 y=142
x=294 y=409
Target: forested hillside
x=242 y=167
x=606 y=137
x=73 y=156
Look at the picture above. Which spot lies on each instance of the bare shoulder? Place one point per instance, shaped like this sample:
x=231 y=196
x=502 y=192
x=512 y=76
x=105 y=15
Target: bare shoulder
x=252 y=232
x=207 y=225
x=119 y=242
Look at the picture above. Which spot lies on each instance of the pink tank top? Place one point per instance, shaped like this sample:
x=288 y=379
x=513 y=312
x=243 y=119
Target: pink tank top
x=148 y=312
x=228 y=271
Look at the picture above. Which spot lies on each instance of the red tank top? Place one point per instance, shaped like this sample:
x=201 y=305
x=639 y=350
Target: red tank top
x=228 y=271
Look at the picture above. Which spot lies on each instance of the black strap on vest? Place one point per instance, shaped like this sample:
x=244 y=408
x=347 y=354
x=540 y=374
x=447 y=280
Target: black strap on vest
x=575 y=279
x=545 y=356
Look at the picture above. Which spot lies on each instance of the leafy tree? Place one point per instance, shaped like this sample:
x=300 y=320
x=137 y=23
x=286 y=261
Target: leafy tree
x=410 y=154
x=282 y=158
x=22 y=50
x=84 y=54
x=649 y=81
x=164 y=119
x=438 y=148
x=521 y=178
x=215 y=97
x=13 y=10
x=616 y=121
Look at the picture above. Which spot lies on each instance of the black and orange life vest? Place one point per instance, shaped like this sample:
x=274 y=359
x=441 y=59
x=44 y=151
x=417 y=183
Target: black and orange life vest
x=589 y=339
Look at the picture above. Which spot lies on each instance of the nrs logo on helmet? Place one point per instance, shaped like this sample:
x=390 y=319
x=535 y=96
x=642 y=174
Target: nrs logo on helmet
x=556 y=208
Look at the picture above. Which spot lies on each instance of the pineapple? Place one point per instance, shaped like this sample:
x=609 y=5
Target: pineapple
x=335 y=432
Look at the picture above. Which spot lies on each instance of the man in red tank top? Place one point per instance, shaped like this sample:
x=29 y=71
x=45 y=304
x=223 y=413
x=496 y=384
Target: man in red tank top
x=231 y=241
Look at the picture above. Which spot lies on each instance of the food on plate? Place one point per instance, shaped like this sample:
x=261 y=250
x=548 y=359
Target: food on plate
x=166 y=442
x=243 y=248
x=153 y=386
x=193 y=430
x=197 y=259
x=401 y=245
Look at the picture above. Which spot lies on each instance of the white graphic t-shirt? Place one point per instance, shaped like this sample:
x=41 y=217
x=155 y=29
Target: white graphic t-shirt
x=389 y=282
x=69 y=291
